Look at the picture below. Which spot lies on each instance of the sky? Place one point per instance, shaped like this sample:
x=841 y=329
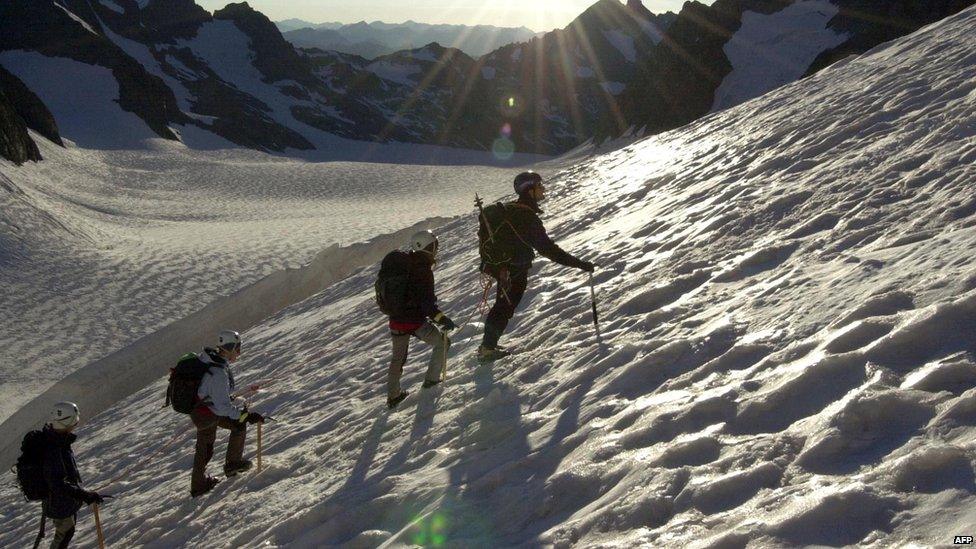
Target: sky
x=538 y=15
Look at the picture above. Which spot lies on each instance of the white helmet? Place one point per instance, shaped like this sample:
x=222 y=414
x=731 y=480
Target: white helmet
x=229 y=340
x=65 y=415
x=422 y=241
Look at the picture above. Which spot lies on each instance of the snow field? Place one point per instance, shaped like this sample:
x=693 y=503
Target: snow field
x=788 y=314
x=104 y=248
x=771 y=50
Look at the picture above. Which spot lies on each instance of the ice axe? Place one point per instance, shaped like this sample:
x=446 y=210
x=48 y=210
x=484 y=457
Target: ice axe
x=596 y=315
x=98 y=527
x=503 y=282
x=259 y=446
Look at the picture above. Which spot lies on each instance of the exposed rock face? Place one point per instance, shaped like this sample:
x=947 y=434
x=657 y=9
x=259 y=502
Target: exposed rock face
x=15 y=143
x=677 y=83
x=20 y=109
x=161 y=21
x=50 y=29
x=29 y=107
x=274 y=56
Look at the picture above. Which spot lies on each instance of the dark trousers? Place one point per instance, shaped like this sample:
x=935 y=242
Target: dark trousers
x=206 y=425
x=508 y=295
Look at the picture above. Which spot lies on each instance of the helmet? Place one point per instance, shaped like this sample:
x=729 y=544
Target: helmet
x=526 y=180
x=65 y=415
x=229 y=340
x=423 y=241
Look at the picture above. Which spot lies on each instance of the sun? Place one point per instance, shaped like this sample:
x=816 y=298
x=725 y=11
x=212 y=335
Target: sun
x=548 y=14
x=538 y=15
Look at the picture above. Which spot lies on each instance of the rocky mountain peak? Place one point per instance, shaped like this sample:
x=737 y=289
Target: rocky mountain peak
x=275 y=57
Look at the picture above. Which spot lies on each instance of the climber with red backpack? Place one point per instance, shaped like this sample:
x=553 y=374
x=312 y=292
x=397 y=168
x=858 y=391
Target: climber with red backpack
x=405 y=293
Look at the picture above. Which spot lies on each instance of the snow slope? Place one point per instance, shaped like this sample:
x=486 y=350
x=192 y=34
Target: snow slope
x=103 y=248
x=769 y=51
x=90 y=114
x=789 y=310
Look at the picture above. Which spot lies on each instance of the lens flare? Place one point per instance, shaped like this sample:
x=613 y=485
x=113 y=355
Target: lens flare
x=503 y=148
x=431 y=531
x=511 y=105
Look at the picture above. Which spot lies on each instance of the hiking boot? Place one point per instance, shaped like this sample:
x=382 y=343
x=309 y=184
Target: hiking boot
x=235 y=467
x=428 y=383
x=491 y=354
x=391 y=403
x=208 y=485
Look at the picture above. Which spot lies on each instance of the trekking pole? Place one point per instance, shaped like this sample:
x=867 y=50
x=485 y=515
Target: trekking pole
x=98 y=527
x=596 y=316
x=259 y=447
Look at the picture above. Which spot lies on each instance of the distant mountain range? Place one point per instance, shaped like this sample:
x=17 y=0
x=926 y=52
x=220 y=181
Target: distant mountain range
x=93 y=70
x=371 y=40
x=294 y=24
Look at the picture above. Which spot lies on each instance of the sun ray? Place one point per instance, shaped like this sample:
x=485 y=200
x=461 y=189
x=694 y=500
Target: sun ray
x=469 y=83
x=422 y=87
x=590 y=54
x=690 y=63
x=566 y=63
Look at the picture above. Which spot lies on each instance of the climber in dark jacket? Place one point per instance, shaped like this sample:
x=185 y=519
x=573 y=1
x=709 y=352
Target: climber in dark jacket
x=65 y=494
x=526 y=235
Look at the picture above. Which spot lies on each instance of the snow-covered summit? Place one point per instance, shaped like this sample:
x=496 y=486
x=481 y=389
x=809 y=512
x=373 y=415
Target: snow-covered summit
x=789 y=312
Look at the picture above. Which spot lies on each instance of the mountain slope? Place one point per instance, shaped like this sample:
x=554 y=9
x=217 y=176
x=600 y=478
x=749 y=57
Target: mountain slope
x=789 y=312
x=20 y=110
x=15 y=143
x=717 y=56
x=187 y=75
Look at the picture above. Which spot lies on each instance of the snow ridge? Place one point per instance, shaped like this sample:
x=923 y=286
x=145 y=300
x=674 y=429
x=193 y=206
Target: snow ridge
x=102 y=383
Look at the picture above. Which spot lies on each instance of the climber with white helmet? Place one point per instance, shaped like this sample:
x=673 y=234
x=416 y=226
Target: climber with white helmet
x=214 y=408
x=58 y=482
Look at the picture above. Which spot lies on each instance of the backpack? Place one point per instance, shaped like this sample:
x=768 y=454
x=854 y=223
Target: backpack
x=496 y=242
x=393 y=282
x=184 y=383
x=30 y=466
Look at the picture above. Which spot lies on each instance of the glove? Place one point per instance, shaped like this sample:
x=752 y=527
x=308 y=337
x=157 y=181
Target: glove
x=94 y=498
x=254 y=417
x=445 y=322
x=587 y=266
